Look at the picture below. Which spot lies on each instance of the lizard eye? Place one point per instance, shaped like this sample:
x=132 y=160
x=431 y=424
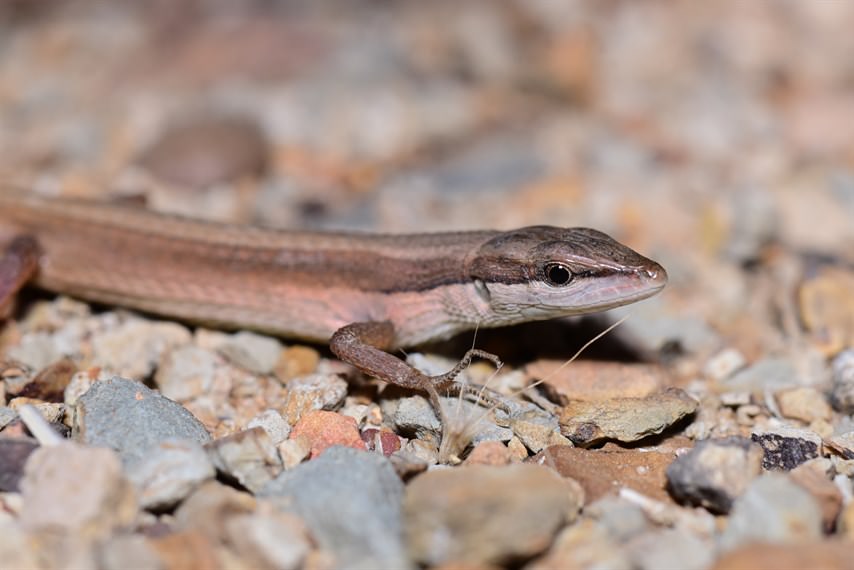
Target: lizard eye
x=557 y=274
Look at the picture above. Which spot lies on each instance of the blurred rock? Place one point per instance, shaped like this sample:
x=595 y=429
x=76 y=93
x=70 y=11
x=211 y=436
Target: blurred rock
x=351 y=502
x=588 y=380
x=273 y=423
x=772 y=509
x=186 y=372
x=131 y=418
x=671 y=548
x=715 y=472
x=824 y=554
x=14 y=452
x=249 y=457
x=486 y=515
x=169 y=472
x=256 y=353
x=804 y=404
x=842 y=395
x=326 y=429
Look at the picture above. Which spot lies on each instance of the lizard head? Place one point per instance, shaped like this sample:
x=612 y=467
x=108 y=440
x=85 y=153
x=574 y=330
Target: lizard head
x=541 y=272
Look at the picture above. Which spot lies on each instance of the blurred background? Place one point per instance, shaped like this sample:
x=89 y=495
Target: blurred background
x=716 y=138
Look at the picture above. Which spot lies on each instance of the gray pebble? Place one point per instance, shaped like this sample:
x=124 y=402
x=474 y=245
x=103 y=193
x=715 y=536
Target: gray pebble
x=253 y=352
x=767 y=374
x=715 y=472
x=772 y=509
x=169 y=472
x=249 y=457
x=131 y=418
x=842 y=395
x=351 y=501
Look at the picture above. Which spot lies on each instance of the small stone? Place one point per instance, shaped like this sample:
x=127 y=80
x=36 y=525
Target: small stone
x=842 y=394
x=622 y=519
x=786 y=448
x=843 y=444
x=268 y=539
x=326 y=429
x=253 y=352
x=297 y=361
x=624 y=419
x=131 y=418
x=49 y=384
x=813 y=554
x=169 y=472
x=490 y=453
x=294 y=451
x=486 y=515
x=538 y=433
x=207 y=151
x=585 y=544
x=804 y=404
x=186 y=372
x=724 y=364
x=14 y=452
x=384 y=440
x=671 y=548
x=134 y=348
x=313 y=392
x=209 y=507
x=815 y=477
x=772 y=509
x=273 y=423
x=249 y=457
x=72 y=488
x=80 y=384
x=52 y=413
x=351 y=503
x=186 y=549
x=735 y=399
x=601 y=472
x=7 y=415
x=827 y=308
x=715 y=472
x=767 y=374
x=590 y=380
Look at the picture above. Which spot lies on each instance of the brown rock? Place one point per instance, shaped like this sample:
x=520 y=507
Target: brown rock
x=296 y=361
x=827 y=555
x=207 y=151
x=210 y=506
x=584 y=545
x=325 y=429
x=486 y=515
x=827 y=308
x=804 y=404
x=186 y=549
x=624 y=419
x=602 y=472
x=69 y=487
x=490 y=453
x=814 y=477
x=590 y=380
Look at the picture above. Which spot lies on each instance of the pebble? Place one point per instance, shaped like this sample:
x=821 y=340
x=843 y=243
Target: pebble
x=490 y=453
x=382 y=440
x=207 y=151
x=804 y=404
x=842 y=394
x=326 y=429
x=268 y=539
x=771 y=374
x=624 y=419
x=477 y=514
x=313 y=392
x=805 y=554
x=622 y=519
x=715 y=472
x=273 y=423
x=135 y=347
x=253 y=352
x=130 y=418
x=294 y=451
x=169 y=472
x=815 y=476
x=297 y=361
x=585 y=544
x=773 y=509
x=588 y=380
x=671 y=548
x=129 y=551
x=14 y=452
x=76 y=489
x=724 y=364
x=17 y=549
x=601 y=472
x=186 y=372
x=249 y=457
x=207 y=510
x=786 y=448
x=7 y=416
x=351 y=502
x=842 y=444
x=827 y=308
x=50 y=383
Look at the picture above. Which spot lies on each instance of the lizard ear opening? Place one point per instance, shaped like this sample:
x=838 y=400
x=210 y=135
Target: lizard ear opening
x=482 y=290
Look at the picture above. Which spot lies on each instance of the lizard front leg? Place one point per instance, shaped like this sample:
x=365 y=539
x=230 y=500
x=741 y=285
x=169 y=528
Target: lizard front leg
x=364 y=346
x=18 y=263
